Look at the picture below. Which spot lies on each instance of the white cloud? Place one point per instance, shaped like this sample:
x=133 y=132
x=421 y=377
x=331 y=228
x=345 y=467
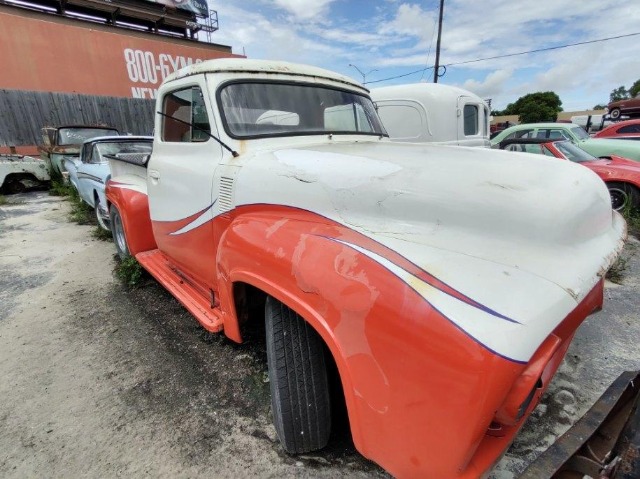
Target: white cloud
x=397 y=36
x=304 y=9
x=493 y=84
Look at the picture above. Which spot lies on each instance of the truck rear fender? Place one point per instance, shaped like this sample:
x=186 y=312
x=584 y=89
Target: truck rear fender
x=133 y=206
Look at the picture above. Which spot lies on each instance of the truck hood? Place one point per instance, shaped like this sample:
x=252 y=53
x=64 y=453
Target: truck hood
x=524 y=235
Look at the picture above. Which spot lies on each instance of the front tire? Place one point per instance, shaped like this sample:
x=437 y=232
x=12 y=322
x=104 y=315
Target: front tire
x=15 y=186
x=103 y=222
x=615 y=113
x=623 y=196
x=300 y=398
x=117 y=230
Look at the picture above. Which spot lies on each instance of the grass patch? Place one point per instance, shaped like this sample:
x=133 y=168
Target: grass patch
x=4 y=201
x=101 y=234
x=616 y=272
x=632 y=217
x=58 y=188
x=130 y=272
x=81 y=212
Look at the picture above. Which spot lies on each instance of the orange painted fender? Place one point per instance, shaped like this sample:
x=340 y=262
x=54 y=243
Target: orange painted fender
x=133 y=206
x=406 y=370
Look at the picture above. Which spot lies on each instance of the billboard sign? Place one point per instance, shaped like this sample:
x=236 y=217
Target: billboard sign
x=92 y=59
x=198 y=7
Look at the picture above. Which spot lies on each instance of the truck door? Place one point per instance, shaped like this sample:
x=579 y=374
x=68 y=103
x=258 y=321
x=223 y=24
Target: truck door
x=180 y=178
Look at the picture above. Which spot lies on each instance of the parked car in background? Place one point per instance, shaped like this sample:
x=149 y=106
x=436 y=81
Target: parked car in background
x=601 y=147
x=89 y=171
x=622 y=176
x=630 y=106
x=64 y=142
x=591 y=123
x=18 y=173
x=624 y=130
x=433 y=113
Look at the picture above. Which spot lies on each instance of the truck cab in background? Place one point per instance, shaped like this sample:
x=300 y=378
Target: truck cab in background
x=65 y=142
x=433 y=113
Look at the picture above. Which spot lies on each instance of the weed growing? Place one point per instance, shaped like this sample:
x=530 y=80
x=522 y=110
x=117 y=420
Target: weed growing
x=3 y=200
x=81 y=213
x=616 y=272
x=130 y=272
x=60 y=189
x=101 y=234
x=632 y=216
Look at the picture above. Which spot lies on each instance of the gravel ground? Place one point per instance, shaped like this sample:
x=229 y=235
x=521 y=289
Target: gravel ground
x=99 y=380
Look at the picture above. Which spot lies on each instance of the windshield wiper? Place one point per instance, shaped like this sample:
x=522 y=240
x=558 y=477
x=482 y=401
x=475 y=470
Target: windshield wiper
x=233 y=152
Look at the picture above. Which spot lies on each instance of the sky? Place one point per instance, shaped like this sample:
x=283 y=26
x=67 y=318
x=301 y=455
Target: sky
x=387 y=38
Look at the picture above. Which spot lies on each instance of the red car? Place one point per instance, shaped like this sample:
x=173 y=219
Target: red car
x=621 y=176
x=629 y=106
x=624 y=130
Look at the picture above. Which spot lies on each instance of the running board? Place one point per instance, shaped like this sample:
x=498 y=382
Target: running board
x=157 y=264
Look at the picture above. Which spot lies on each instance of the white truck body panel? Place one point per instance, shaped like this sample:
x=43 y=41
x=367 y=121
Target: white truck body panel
x=433 y=113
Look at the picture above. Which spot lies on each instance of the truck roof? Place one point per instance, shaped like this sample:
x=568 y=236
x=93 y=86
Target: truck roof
x=427 y=91
x=241 y=65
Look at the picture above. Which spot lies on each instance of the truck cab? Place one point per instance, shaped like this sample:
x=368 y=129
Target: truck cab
x=433 y=113
x=445 y=284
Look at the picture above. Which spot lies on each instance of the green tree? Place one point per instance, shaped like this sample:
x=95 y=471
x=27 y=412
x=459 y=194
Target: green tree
x=599 y=107
x=635 y=89
x=618 y=94
x=536 y=107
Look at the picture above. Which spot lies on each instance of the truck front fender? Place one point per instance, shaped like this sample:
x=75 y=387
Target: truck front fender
x=395 y=353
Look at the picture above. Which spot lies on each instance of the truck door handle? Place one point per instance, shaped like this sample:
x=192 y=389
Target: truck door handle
x=154 y=175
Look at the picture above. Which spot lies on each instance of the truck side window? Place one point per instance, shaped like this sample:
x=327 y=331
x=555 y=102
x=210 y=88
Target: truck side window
x=401 y=121
x=188 y=106
x=470 y=120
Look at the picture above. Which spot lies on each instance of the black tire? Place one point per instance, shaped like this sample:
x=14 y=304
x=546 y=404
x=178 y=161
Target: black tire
x=623 y=196
x=615 y=113
x=300 y=398
x=117 y=231
x=103 y=222
x=14 y=186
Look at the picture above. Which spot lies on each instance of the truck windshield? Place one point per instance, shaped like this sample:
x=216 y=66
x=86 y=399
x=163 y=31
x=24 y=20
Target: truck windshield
x=260 y=109
x=75 y=136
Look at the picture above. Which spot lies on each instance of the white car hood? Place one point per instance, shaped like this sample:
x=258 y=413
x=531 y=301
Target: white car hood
x=525 y=236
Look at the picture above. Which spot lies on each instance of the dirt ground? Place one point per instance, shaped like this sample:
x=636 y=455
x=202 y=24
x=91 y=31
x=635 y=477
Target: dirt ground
x=99 y=380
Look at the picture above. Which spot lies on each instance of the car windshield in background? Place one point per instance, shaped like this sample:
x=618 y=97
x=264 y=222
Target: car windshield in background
x=75 y=136
x=574 y=153
x=283 y=109
x=580 y=133
x=123 y=148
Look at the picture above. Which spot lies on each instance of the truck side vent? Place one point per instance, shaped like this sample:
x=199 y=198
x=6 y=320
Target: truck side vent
x=226 y=189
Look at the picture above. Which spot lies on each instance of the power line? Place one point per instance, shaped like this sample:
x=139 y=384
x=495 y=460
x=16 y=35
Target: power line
x=558 y=47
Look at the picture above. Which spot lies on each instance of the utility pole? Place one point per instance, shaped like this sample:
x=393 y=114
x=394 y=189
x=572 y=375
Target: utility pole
x=364 y=75
x=437 y=66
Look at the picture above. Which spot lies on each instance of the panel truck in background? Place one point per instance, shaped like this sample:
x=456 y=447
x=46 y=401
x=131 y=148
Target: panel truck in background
x=433 y=113
x=444 y=283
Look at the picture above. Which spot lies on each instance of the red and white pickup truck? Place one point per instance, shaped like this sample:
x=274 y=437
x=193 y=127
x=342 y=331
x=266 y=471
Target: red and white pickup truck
x=445 y=283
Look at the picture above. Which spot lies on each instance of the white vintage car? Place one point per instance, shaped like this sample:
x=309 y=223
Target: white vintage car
x=18 y=173
x=443 y=285
x=89 y=172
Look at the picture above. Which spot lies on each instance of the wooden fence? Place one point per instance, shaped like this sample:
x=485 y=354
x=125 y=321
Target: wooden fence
x=24 y=113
